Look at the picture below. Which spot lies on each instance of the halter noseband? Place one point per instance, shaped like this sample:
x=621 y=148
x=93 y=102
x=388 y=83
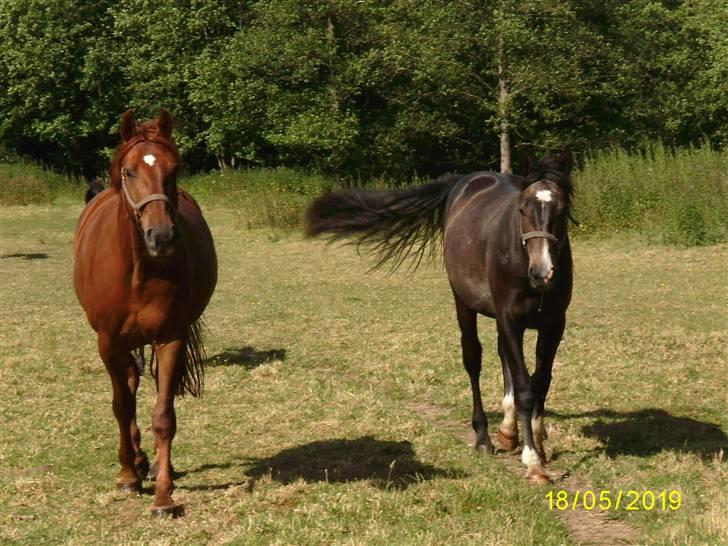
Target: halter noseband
x=138 y=206
x=536 y=234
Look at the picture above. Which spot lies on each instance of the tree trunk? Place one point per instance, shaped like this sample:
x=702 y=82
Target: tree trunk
x=221 y=162
x=504 y=107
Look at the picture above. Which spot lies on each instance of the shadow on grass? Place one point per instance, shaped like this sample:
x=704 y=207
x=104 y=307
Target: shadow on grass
x=385 y=464
x=649 y=431
x=247 y=356
x=27 y=256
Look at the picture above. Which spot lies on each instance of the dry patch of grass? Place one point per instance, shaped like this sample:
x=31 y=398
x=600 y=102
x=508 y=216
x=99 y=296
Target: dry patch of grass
x=307 y=432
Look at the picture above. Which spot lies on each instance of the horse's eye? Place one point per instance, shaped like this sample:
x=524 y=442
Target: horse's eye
x=130 y=174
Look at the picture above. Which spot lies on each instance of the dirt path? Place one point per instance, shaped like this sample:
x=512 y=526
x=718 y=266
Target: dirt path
x=589 y=528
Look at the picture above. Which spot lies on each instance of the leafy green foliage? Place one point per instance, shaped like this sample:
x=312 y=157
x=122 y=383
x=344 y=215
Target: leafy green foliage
x=360 y=88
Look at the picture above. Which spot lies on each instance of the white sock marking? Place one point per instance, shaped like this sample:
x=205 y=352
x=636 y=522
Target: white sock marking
x=529 y=457
x=544 y=195
x=149 y=159
x=509 y=426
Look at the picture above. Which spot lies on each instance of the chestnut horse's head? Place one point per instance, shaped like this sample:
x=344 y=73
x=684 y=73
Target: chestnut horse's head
x=544 y=206
x=144 y=171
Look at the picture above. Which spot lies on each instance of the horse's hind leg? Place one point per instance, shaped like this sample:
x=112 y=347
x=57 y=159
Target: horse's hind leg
x=472 y=354
x=508 y=429
x=141 y=463
x=170 y=361
x=546 y=346
x=123 y=404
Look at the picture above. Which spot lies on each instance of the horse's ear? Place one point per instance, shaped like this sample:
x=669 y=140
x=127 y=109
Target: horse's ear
x=128 y=125
x=165 y=123
x=565 y=160
x=532 y=163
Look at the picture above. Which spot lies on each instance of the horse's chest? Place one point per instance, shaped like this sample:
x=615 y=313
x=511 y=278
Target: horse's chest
x=156 y=307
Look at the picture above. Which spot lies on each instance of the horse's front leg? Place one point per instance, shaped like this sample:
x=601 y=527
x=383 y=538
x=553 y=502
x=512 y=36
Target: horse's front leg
x=141 y=463
x=508 y=429
x=510 y=347
x=170 y=362
x=546 y=347
x=124 y=404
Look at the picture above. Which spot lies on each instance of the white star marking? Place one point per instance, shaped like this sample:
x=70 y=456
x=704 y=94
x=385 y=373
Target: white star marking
x=544 y=195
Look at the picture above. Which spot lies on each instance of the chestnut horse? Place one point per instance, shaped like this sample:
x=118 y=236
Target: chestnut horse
x=507 y=256
x=145 y=269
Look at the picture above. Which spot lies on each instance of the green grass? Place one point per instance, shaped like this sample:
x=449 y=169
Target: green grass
x=316 y=424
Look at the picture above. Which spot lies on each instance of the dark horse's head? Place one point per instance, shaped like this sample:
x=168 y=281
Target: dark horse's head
x=144 y=171
x=544 y=206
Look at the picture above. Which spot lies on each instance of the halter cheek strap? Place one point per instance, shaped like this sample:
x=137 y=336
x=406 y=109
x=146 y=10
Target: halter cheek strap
x=137 y=207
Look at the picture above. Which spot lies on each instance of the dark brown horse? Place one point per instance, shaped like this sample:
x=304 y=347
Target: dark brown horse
x=507 y=256
x=145 y=269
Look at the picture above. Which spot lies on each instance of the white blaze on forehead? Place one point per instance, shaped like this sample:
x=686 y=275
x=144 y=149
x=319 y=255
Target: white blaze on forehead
x=149 y=159
x=544 y=195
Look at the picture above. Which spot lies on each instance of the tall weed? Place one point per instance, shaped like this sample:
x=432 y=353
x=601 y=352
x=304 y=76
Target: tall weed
x=670 y=196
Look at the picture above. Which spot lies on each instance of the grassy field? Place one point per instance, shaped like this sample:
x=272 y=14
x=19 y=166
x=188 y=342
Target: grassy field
x=336 y=406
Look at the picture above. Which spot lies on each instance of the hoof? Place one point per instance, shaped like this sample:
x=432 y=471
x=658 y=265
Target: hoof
x=131 y=488
x=484 y=448
x=142 y=467
x=171 y=511
x=537 y=476
x=506 y=442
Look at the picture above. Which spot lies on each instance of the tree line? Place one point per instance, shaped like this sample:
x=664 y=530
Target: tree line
x=361 y=88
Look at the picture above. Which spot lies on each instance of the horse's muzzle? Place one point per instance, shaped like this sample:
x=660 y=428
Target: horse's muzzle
x=540 y=278
x=159 y=240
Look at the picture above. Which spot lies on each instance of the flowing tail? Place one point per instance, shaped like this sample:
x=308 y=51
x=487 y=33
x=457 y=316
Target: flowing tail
x=192 y=378
x=394 y=224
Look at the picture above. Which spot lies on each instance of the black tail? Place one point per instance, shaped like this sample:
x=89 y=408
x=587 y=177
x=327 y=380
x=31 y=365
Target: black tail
x=394 y=223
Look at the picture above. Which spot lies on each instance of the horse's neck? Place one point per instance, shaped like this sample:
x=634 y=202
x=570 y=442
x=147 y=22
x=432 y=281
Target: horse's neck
x=129 y=240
